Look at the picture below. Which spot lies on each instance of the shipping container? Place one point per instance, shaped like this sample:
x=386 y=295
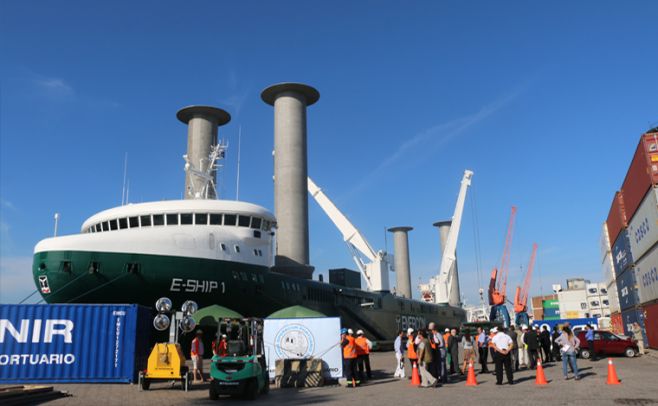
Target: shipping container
x=616 y=323
x=630 y=316
x=605 y=241
x=646 y=273
x=613 y=298
x=551 y=313
x=621 y=253
x=651 y=324
x=642 y=173
x=608 y=270
x=551 y=304
x=627 y=290
x=616 y=220
x=73 y=343
x=643 y=227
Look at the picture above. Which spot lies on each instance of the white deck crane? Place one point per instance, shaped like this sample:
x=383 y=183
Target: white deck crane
x=443 y=283
x=374 y=265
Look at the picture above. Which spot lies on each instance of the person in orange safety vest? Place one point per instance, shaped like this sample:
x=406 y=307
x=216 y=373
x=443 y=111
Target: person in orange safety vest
x=363 y=346
x=347 y=342
x=411 y=349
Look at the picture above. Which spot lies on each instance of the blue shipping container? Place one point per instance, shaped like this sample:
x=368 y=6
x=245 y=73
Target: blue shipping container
x=631 y=316
x=622 y=258
x=627 y=289
x=574 y=323
x=72 y=343
x=551 y=313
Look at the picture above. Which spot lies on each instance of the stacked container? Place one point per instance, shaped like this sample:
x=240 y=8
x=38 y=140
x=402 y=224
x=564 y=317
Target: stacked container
x=551 y=309
x=632 y=224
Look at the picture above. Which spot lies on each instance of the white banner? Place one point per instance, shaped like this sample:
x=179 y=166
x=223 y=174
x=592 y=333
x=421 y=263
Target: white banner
x=304 y=338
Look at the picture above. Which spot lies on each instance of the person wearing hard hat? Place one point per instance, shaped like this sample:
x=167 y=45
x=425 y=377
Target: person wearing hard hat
x=446 y=338
x=523 y=348
x=399 y=347
x=349 y=356
x=411 y=348
x=502 y=345
x=363 y=347
x=220 y=346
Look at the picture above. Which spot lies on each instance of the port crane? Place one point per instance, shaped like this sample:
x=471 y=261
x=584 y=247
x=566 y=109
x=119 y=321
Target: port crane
x=498 y=281
x=521 y=296
x=443 y=281
x=373 y=265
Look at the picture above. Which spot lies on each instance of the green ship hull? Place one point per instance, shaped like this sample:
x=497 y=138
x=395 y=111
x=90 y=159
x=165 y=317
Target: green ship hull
x=251 y=290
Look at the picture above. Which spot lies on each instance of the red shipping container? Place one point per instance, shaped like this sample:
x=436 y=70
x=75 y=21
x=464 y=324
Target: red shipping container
x=616 y=323
x=651 y=324
x=616 y=217
x=642 y=174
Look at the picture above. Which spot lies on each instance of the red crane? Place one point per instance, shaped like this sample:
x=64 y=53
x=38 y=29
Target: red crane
x=498 y=281
x=521 y=296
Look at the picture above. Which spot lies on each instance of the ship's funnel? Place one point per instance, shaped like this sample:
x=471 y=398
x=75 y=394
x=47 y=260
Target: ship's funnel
x=402 y=267
x=290 y=171
x=202 y=123
x=455 y=295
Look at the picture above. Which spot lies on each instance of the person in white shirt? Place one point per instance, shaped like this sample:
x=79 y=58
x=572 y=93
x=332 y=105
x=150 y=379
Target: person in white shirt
x=502 y=345
x=399 y=344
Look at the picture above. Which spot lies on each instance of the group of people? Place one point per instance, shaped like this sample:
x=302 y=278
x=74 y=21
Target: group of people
x=356 y=356
x=436 y=354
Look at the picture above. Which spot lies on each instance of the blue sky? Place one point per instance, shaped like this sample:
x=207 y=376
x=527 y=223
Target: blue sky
x=543 y=101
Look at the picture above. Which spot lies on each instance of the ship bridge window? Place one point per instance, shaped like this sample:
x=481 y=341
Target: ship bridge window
x=113 y=224
x=145 y=221
x=133 y=222
x=266 y=225
x=186 y=218
x=243 y=221
x=230 y=219
x=98 y=227
x=256 y=222
x=123 y=223
x=172 y=219
x=216 y=219
x=201 y=219
x=158 y=220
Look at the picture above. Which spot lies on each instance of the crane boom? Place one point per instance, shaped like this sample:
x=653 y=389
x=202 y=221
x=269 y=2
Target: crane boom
x=443 y=282
x=498 y=284
x=521 y=296
x=375 y=272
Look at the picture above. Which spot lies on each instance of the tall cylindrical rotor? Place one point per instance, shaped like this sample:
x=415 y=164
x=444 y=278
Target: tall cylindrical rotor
x=402 y=264
x=290 y=171
x=202 y=123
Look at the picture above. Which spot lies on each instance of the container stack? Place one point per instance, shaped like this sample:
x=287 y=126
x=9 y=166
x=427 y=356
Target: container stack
x=632 y=226
x=551 y=309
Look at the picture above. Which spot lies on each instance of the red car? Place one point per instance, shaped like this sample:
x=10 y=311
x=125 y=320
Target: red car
x=607 y=343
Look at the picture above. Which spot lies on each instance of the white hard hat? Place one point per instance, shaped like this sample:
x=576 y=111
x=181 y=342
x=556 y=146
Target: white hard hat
x=447 y=330
x=494 y=330
x=534 y=327
x=524 y=327
x=359 y=332
x=410 y=330
x=350 y=331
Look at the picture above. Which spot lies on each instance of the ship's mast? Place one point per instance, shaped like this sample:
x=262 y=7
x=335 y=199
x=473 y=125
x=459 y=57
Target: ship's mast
x=203 y=184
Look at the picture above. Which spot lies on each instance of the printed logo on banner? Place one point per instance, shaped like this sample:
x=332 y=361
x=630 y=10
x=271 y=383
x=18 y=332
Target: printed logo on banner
x=294 y=340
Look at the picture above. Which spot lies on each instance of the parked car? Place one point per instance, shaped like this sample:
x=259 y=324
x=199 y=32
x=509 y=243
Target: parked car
x=607 y=343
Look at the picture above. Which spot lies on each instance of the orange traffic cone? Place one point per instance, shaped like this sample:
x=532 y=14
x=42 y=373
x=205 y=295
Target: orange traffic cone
x=415 y=376
x=612 y=374
x=541 y=378
x=470 y=378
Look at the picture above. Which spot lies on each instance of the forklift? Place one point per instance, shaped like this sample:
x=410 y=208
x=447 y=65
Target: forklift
x=241 y=368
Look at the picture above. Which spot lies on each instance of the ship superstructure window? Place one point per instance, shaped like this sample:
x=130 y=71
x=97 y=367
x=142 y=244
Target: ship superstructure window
x=255 y=222
x=236 y=248
x=158 y=220
x=145 y=220
x=186 y=218
x=215 y=219
x=243 y=221
x=123 y=223
x=113 y=225
x=230 y=219
x=133 y=222
x=222 y=246
x=201 y=219
x=172 y=219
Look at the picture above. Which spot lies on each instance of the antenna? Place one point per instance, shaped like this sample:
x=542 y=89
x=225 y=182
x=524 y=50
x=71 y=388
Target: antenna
x=237 y=186
x=125 y=171
x=56 y=224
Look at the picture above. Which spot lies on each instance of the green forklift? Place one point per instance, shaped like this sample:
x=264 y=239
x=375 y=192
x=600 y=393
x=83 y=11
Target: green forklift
x=240 y=368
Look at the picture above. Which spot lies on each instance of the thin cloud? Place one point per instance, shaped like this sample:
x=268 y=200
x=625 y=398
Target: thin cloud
x=55 y=87
x=435 y=136
x=6 y=204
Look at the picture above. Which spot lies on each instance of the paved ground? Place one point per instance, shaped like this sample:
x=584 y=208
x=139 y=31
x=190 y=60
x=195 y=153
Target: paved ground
x=639 y=387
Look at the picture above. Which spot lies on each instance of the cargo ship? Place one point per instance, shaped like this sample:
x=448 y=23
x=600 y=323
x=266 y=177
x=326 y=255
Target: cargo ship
x=232 y=253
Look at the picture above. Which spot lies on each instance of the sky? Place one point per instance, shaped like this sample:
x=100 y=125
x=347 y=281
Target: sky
x=544 y=101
